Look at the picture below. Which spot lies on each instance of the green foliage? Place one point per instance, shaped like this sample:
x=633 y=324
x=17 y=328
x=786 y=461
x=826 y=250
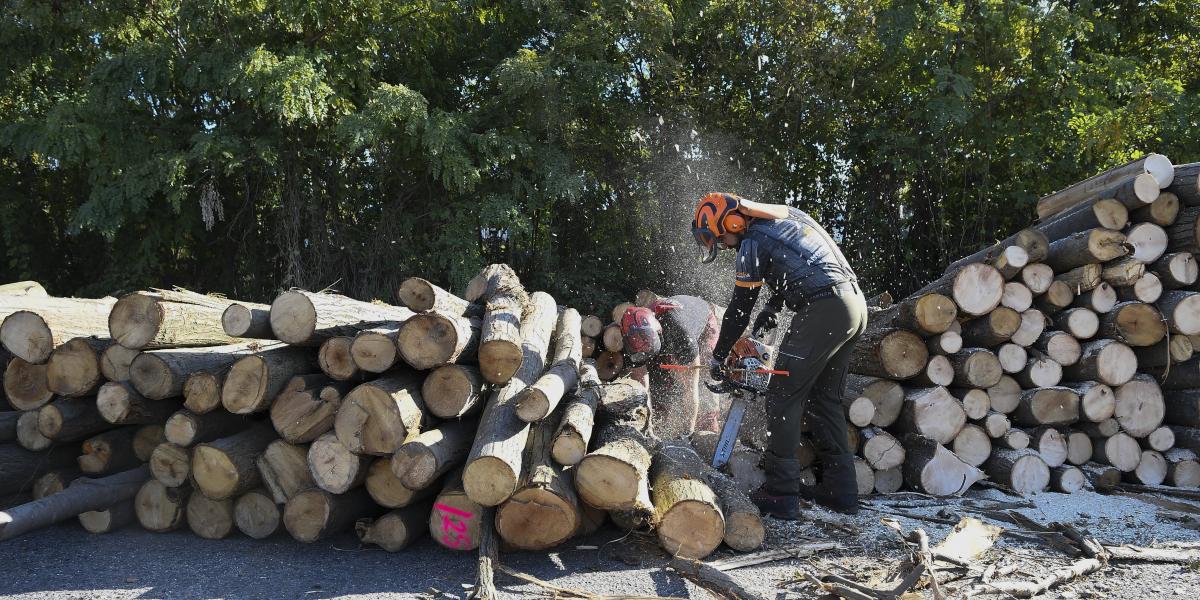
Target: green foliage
x=245 y=146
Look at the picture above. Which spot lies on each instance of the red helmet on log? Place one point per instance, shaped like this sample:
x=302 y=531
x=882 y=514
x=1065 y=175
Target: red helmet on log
x=642 y=334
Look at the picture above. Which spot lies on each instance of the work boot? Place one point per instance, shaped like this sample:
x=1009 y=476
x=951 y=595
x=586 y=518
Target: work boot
x=838 y=489
x=779 y=497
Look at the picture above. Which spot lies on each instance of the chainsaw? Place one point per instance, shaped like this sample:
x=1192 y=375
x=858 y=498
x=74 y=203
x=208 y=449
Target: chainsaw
x=748 y=375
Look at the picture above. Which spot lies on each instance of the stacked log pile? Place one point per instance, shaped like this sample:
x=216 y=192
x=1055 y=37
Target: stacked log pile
x=1059 y=356
x=320 y=414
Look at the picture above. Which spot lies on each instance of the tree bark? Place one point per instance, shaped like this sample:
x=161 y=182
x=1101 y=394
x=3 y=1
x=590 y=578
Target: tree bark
x=1175 y=270
x=1182 y=407
x=109 y=519
x=615 y=475
x=1129 y=175
x=315 y=514
x=1047 y=406
x=1031 y=242
x=1184 y=234
x=81 y=496
x=423 y=459
x=304 y=318
x=1183 y=469
x=1123 y=272
x=168 y=319
x=284 y=470
x=120 y=404
x=247 y=320
x=931 y=468
x=505 y=299
x=307 y=408
x=1023 y=471
x=8 y=425
x=159 y=374
x=494 y=464
x=374 y=350
x=1086 y=247
x=1181 y=310
x=927 y=314
x=66 y=420
x=1161 y=212
x=455 y=519
x=1186 y=437
x=992 y=329
x=578 y=419
x=395 y=530
x=378 y=416
x=537 y=401
x=1107 y=213
x=34 y=326
x=1146 y=289
x=19 y=467
x=544 y=511
x=225 y=468
x=688 y=512
x=1083 y=278
x=254 y=381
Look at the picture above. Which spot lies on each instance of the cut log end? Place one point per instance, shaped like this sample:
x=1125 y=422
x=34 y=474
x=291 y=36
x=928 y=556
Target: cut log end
x=293 y=317
x=489 y=480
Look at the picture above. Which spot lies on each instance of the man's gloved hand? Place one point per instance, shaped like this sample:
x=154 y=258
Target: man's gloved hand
x=716 y=370
x=765 y=321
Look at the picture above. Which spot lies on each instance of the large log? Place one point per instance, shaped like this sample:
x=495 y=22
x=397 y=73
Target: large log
x=160 y=508
x=688 y=512
x=225 y=468
x=1146 y=289
x=256 y=514
x=425 y=458
x=434 y=339
x=1107 y=213
x=976 y=288
x=108 y=452
x=1182 y=407
x=1184 y=375
x=387 y=490
x=336 y=357
x=1162 y=212
x=81 y=496
x=1147 y=240
x=24 y=288
x=1186 y=184
x=927 y=314
x=120 y=404
x=892 y=353
x=1060 y=346
x=453 y=391
x=976 y=367
x=25 y=385
x=284 y=470
x=1037 y=277
x=933 y=413
x=1017 y=296
x=254 y=381
x=1047 y=406
x=209 y=519
x=28 y=436
x=307 y=408
x=378 y=416
x=1104 y=360
x=885 y=394
x=494 y=464
x=1058 y=297
x=372 y=350
x=1033 y=323
x=186 y=429
x=247 y=320
x=860 y=410
x=500 y=341
x=1099 y=299
x=421 y=295
x=1181 y=310
x=65 y=420
x=1086 y=247
x=1079 y=448
x=1050 y=444
x=303 y=318
x=1040 y=372
x=615 y=474
x=1139 y=406
x=1097 y=402
x=1119 y=450
x=1151 y=469
x=1184 y=235
x=537 y=401
x=1161 y=439
x=578 y=419
x=19 y=467
x=880 y=449
x=1134 y=324
x=544 y=511
x=73 y=369
x=168 y=319
x=395 y=530
x=1130 y=174
x=1175 y=270
x=931 y=468
x=972 y=445
x=115 y=362
x=202 y=392
x=455 y=519
x=171 y=465
x=315 y=514
x=34 y=326
x=334 y=467
x=744 y=530
x=1023 y=471
x=159 y=374
x=992 y=329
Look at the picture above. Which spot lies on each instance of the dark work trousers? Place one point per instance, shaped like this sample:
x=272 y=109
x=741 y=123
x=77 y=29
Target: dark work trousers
x=816 y=352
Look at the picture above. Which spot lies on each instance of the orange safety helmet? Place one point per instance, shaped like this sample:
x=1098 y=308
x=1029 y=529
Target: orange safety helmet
x=716 y=215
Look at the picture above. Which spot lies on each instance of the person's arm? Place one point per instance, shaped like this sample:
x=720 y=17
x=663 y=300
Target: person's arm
x=760 y=210
x=737 y=316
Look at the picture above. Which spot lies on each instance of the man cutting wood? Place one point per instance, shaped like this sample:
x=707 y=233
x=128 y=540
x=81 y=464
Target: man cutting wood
x=677 y=330
x=789 y=252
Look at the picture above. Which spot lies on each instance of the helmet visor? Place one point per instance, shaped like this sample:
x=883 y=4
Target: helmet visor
x=707 y=242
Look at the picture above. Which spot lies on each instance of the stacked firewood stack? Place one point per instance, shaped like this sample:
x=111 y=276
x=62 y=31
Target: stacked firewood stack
x=464 y=417
x=1058 y=357
x=604 y=343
